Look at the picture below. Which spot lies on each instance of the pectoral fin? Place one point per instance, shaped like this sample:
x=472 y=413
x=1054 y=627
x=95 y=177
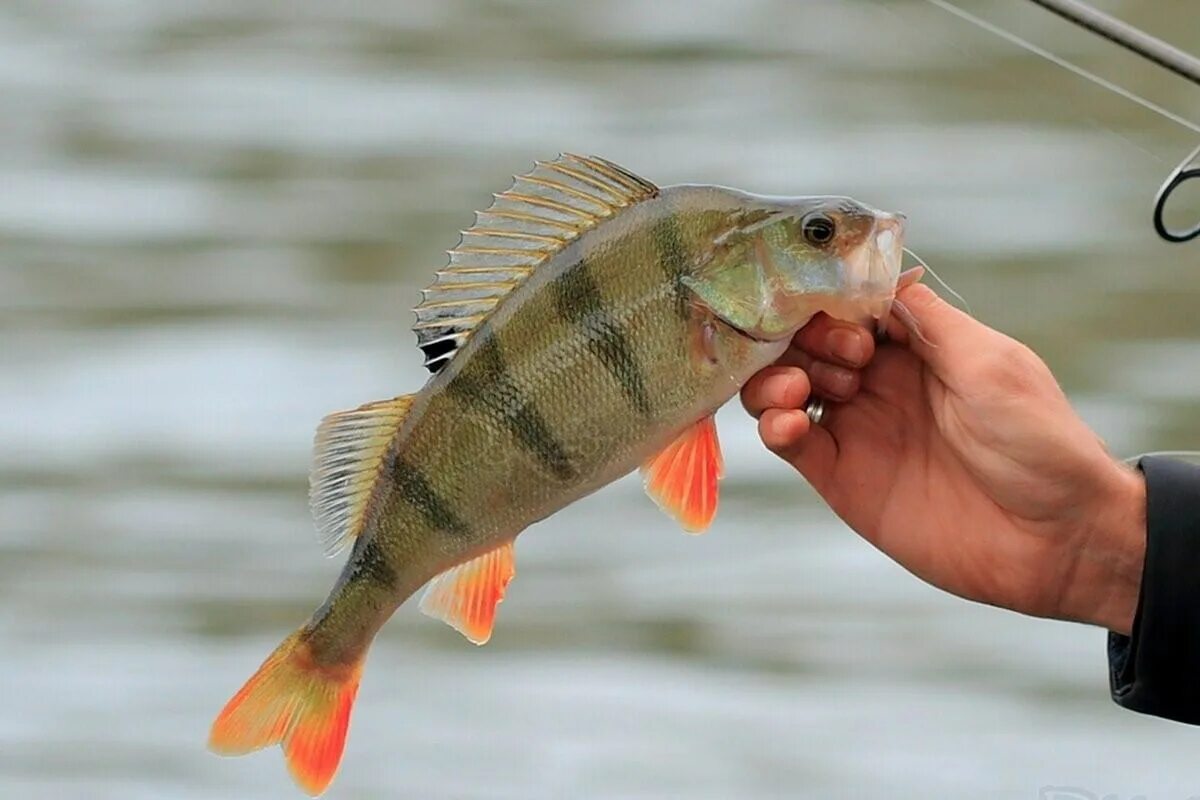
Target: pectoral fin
x=466 y=596
x=683 y=478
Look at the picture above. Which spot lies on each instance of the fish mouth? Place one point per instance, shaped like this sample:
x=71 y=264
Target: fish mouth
x=872 y=272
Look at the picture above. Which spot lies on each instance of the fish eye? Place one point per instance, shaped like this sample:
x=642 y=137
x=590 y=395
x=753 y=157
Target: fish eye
x=818 y=228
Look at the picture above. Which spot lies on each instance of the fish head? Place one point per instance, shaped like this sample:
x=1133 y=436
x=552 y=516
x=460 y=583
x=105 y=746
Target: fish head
x=782 y=260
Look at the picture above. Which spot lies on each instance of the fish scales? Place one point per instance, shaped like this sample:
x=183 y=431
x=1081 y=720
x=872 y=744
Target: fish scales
x=501 y=437
x=619 y=345
x=474 y=440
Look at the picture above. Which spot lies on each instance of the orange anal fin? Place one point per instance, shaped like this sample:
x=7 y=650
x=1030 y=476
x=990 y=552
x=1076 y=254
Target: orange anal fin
x=296 y=703
x=683 y=477
x=465 y=597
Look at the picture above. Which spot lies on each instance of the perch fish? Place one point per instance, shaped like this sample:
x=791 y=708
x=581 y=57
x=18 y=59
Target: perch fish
x=589 y=323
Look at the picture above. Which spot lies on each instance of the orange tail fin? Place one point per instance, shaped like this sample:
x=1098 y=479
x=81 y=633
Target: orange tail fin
x=294 y=702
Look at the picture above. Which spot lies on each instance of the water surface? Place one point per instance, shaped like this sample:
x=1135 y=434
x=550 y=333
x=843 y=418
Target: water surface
x=215 y=218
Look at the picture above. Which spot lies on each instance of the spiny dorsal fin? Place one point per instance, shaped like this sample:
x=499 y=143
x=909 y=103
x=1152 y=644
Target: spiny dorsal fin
x=347 y=454
x=540 y=214
x=465 y=597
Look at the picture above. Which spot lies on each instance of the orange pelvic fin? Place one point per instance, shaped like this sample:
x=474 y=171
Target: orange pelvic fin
x=466 y=596
x=683 y=478
x=294 y=702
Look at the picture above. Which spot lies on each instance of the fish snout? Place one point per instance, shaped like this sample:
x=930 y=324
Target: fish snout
x=873 y=270
x=886 y=248
x=888 y=252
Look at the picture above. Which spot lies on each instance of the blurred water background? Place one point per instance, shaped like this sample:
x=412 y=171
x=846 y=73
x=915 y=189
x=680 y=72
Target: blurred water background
x=214 y=217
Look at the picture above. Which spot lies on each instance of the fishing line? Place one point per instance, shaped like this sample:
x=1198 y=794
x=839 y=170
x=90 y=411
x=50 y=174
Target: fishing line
x=1120 y=33
x=966 y=306
x=1013 y=38
x=1148 y=47
x=1145 y=46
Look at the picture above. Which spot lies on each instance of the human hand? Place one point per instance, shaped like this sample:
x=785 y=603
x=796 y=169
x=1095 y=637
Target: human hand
x=957 y=454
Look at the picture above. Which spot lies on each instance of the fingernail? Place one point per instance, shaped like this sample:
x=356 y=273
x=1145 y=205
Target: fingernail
x=846 y=345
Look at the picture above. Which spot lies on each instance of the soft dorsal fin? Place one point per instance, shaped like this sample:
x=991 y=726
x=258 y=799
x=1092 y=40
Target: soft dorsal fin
x=540 y=214
x=683 y=477
x=465 y=597
x=347 y=454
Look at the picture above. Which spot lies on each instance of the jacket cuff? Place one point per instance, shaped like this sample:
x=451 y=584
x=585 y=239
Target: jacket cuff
x=1155 y=669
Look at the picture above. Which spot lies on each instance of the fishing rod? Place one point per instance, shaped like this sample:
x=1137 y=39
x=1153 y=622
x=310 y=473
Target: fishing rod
x=1156 y=51
x=1122 y=33
x=1137 y=41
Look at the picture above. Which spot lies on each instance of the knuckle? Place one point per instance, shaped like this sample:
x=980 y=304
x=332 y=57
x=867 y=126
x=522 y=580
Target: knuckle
x=834 y=381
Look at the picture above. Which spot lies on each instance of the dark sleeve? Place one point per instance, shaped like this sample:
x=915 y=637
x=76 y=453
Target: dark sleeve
x=1156 y=669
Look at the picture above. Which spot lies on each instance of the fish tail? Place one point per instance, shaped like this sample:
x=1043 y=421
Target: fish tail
x=297 y=703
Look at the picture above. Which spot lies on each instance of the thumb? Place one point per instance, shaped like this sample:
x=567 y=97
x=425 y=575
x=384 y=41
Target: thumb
x=938 y=333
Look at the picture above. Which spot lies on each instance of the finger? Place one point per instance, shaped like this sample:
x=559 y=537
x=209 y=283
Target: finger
x=775 y=387
x=894 y=329
x=795 y=357
x=837 y=342
x=825 y=379
x=834 y=382
x=945 y=337
x=910 y=276
x=781 y=429
x=790 y=434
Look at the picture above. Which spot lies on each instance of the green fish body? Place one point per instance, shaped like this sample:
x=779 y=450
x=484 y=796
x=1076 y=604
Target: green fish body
x=587 y=324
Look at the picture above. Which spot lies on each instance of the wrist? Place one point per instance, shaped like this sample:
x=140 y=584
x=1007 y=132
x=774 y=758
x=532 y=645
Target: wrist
x=1107 y=578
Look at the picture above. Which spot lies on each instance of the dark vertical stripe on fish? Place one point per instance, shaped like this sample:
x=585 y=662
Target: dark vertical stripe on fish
x=578 y=300
x=486 y=384
x=372 y=564
x=672 y=258
x=416 y=491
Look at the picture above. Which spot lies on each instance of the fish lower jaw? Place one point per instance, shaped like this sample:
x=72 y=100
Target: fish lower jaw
x=860 y=310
